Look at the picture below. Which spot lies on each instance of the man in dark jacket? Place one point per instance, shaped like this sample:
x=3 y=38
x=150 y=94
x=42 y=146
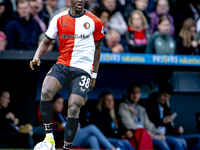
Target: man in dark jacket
x=23 y=32
x=160 y=114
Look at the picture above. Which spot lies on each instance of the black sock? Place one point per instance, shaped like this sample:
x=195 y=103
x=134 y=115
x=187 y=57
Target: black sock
x=47 y=114
x=70 y=132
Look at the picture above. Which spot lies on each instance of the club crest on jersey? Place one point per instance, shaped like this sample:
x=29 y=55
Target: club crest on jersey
x=86 y=25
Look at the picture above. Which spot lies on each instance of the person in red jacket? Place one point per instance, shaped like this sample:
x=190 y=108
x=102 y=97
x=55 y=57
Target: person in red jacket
x=137 y=35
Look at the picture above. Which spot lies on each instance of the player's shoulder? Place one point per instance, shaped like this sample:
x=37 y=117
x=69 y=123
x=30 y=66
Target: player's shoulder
x=92 y=16
x=61 y=14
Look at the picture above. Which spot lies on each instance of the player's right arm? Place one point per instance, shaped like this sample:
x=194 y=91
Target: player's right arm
x=50 y=35
x=40 y=51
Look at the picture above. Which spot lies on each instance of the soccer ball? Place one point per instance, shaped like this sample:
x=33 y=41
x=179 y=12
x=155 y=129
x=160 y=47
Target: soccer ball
x=44 y=145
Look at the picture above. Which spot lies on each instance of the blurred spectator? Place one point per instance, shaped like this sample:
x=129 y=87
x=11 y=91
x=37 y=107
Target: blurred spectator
x=111 y=5
x=66 y=7
x=3 y=16
x=63 y=4
x=161 y=42
x=136 y=5
x=113 y=43
x=3 y=41
x=40 y=7
x=162 y=8
x=104 y=15
x=23 y=32
x=151 y=6
x=116 y=20
x=185 y=41
x=134 y=116
x=160 y=114
x=8 y=126
x=105 y=120
x=198 y=25
x=14 y=5
x=49 y=9
x=90 y=4
x=8 y=9
x=89 y=136
x=186 y=9
x=197 y=41
x=137 y=36
x=34 y=7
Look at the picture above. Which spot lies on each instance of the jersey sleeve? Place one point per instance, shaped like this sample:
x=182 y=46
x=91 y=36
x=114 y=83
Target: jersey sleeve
x=52 y=29
x=98 y=30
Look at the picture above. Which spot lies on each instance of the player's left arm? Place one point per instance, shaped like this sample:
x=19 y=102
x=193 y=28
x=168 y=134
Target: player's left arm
x=97 y=57
x=98 y=36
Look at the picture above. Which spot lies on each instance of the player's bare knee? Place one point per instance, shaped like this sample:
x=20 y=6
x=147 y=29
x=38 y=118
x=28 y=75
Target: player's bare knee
x=46 y=94
x=73 y=111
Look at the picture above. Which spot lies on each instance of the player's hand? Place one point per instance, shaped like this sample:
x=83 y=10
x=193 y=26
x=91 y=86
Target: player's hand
x=33 y=62
x=92 y=84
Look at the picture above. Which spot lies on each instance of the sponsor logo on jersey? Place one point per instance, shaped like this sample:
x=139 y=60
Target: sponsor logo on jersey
x=64 y=24
x=86 y=25
x=76 y=36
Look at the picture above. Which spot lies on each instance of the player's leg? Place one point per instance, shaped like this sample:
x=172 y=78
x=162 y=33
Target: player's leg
x=78 y=89
x=49 y=88
x=52 y=83
x=74 y=104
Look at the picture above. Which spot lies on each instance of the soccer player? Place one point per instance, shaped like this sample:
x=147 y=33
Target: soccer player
x=80 y=35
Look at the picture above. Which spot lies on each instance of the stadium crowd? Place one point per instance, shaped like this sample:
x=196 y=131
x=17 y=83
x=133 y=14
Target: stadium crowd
x=135 y=26
x=130 y=123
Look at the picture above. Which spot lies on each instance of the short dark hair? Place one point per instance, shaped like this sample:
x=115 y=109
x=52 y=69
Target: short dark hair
x=56 y=97
x=131 y=86
x=165 y=88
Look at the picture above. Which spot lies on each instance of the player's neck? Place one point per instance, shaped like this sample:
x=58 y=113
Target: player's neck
x=75 y=13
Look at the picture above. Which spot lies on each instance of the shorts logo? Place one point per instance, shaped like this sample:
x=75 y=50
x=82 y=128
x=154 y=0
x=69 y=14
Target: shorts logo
x=86 y=25
x=82 y=89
